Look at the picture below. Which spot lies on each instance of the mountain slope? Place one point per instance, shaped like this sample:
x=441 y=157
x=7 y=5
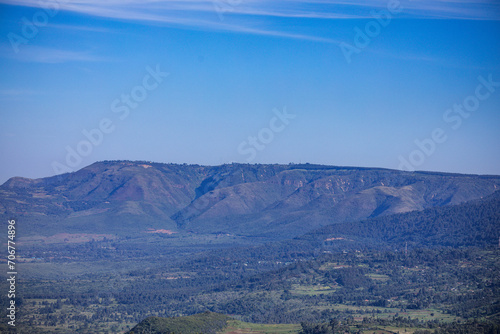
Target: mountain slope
x=472 y=224
x=277 y=201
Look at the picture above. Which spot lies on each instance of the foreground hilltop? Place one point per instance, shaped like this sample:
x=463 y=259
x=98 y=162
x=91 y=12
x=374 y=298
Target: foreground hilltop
x=207 y=322
x=124 y=197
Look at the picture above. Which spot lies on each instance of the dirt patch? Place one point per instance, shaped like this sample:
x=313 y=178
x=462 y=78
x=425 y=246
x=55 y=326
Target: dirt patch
x=162 y=231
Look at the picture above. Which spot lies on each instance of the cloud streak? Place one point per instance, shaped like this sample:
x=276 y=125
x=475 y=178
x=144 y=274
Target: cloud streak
x=258 y=17
x=322 y=9
x=251 y=13
x=49 y=55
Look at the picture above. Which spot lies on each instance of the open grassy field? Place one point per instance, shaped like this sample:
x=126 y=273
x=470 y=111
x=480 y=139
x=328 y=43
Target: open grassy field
x=392 y=329
x=240 y=327
x=311 y=290
x=378 y=277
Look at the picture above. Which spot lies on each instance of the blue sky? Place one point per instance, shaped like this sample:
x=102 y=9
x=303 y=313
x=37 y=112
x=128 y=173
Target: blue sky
x=361 y=83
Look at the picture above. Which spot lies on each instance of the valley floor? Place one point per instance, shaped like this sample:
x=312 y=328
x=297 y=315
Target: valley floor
x=255 y=286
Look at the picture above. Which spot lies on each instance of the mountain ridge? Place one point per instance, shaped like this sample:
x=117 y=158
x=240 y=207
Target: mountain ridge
x=260 y=199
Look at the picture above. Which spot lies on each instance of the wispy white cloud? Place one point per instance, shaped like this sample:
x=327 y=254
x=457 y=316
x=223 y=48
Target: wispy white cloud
x=358 y=9
x=81 y=28
x=190 y=14
x=48 y=55
x=53 y=56
x=204 y=13
x=261 y=17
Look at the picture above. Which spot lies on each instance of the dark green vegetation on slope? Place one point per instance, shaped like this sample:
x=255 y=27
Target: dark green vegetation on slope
x=109 y=258
x=475 y=223
x=207 y=322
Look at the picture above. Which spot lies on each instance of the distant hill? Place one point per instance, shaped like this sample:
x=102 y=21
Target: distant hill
x=203 y=323
x=274 y=201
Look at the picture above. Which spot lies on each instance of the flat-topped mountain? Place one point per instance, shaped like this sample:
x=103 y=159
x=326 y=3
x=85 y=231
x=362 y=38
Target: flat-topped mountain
x=124 y=197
